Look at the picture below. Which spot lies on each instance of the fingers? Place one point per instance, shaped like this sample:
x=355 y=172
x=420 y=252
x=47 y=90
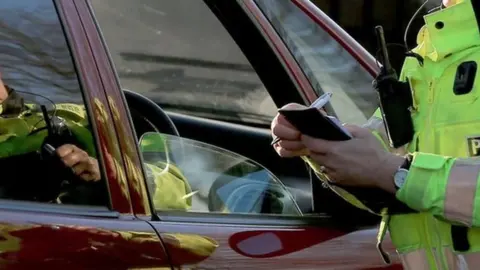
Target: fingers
x=65 y=150
x=290 y=153
x=80 y=168
x=317 y=146
x=322 y=160
x=286 y=148
x=291 y=145
x=85 y=171
x=80 y=162
x=88 y=171
x=357 y=131
x=283 y=129
x=72 y=155
x=290 y=106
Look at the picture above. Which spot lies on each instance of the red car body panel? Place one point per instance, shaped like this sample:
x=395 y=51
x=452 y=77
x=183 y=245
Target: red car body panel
x=43 y=241
x=129 y=235
x=282 y=247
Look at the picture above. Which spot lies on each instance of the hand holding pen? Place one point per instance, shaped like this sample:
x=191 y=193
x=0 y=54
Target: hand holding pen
x=283 y=131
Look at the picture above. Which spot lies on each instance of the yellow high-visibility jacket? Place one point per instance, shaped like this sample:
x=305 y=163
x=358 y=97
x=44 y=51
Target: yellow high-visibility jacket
x=442 y=183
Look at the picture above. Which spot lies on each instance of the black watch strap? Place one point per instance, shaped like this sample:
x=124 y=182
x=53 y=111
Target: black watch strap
x=408 y=162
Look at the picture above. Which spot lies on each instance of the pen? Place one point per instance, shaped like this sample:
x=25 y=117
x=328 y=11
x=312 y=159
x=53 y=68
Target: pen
x=318 y=103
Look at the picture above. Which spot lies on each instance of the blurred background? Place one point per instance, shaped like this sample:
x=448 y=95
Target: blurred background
x=359 y=18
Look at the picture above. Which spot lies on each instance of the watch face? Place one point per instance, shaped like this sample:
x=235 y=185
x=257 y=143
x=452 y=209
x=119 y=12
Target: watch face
x=400 y=177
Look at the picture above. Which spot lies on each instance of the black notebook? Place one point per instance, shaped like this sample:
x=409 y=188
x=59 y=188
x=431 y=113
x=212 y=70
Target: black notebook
x=310 y=121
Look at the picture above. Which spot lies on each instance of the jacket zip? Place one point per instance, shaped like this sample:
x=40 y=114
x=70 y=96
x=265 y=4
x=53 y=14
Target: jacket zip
x=431 y=106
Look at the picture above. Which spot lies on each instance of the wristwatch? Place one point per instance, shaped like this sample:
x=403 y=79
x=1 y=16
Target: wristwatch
x=400 y=176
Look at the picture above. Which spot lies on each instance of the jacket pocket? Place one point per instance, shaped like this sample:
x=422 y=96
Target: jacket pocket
x=458 y=140
x=449 y=80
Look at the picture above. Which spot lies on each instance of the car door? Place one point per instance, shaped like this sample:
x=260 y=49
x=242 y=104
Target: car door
x=220 y=224
x=46 y=59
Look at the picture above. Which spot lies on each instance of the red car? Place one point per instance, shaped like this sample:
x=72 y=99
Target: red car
x=210 y=74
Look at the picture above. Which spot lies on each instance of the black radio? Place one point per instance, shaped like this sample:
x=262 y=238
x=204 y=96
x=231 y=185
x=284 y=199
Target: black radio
x=395 y=98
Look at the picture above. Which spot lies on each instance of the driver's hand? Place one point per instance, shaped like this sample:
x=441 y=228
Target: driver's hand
x=81 y=163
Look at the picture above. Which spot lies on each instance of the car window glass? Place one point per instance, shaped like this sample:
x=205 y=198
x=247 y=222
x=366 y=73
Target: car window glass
x=179 y=55
x=38 y=75
x=326 y=63
x=188 y=175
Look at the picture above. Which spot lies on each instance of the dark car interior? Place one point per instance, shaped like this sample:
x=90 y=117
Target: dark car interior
x=251 y=141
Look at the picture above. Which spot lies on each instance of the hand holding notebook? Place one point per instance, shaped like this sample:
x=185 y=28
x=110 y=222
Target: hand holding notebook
x=310 y=121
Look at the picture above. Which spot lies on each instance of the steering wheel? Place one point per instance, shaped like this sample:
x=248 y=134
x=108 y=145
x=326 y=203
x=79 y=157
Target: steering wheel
x=141 y=107
x=147 y=116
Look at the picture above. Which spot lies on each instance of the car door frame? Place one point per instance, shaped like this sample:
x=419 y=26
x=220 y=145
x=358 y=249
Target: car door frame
x=129 y=197
x=130 y=191
x=366 y=59
x=94 y=97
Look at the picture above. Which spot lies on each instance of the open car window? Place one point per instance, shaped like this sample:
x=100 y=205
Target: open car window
x=178 y=54
x=44 y=112
x=188 y=175
x=326 y=63
x=34 y=55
